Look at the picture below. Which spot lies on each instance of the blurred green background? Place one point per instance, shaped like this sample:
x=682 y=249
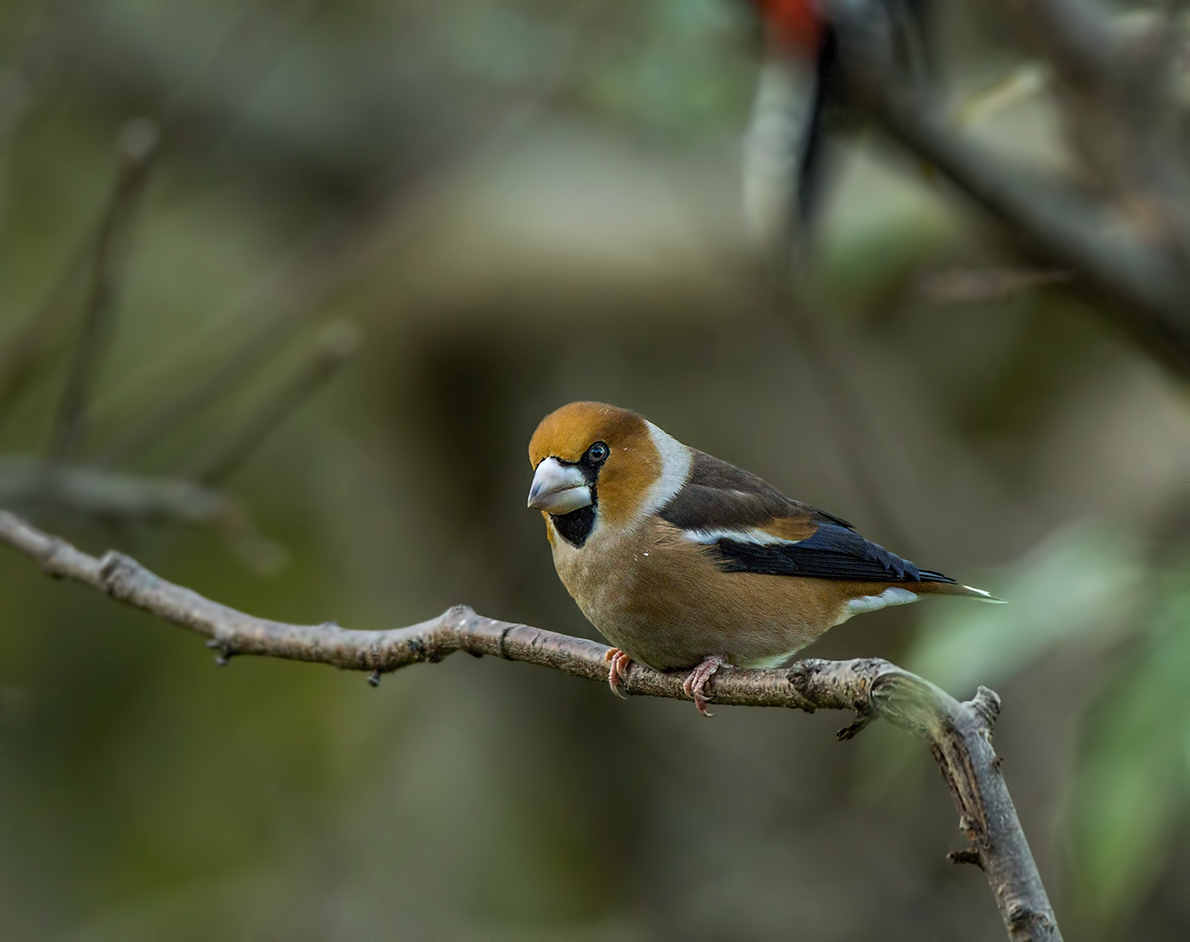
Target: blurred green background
x=517 y=204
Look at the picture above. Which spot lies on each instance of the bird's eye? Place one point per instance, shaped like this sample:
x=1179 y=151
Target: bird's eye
x=598 y=453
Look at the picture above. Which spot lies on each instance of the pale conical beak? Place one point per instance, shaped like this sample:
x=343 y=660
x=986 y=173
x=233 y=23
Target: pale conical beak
x=559 y=488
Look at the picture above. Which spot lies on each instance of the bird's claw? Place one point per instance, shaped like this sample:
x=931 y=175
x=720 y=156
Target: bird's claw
x=696 y=683
x=617 y=671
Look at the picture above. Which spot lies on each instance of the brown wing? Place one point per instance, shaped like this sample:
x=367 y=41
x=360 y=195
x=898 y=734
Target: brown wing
x=718 y=495
x=751 y=526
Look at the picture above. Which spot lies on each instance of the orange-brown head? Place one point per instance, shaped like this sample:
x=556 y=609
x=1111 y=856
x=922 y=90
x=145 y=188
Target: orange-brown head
x=604 y=464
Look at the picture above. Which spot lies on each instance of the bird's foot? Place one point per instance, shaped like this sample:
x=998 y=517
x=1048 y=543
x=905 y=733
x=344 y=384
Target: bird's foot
x=696 y=683
x=617 y=671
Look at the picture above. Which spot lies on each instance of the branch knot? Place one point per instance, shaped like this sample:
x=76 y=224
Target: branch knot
x=116 y=572
x=986 y=703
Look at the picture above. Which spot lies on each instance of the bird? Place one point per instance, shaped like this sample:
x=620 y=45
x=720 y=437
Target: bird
x=685 y=562
x=809 y=48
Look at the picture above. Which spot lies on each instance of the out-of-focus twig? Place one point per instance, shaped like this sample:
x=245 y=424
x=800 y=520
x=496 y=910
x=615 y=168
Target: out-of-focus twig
x=1020 y=84
x=28 y=347
x=334 y=347
x=984 y=284
x=86 y=492
x=958 y=734
x=295 y=291
x=244 y=56
x=137 y=149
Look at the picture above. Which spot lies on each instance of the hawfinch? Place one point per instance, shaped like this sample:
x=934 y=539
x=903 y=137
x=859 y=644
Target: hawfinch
x=685 y=562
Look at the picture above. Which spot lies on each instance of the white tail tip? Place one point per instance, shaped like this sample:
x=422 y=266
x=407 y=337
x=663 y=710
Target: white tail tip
x=984 y=596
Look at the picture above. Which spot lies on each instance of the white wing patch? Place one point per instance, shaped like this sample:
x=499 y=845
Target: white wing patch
x=752 y=535
x=893 y=595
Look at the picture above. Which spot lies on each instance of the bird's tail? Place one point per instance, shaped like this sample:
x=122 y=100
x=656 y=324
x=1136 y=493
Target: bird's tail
x=927 y=587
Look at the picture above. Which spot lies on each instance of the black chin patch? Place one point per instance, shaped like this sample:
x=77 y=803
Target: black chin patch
x=575 y=526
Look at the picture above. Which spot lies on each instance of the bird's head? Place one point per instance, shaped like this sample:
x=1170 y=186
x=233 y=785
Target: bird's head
x=594 y=462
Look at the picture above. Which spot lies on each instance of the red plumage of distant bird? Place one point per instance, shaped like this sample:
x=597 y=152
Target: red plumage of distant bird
x=793 y=24
x=803 y=83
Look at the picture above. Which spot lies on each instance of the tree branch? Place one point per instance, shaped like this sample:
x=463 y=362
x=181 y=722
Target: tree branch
x=131 y=498
x=127 y=497
x=959 y=734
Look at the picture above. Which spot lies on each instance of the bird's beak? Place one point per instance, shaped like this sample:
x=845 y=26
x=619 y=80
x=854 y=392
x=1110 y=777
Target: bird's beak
x=559 y=488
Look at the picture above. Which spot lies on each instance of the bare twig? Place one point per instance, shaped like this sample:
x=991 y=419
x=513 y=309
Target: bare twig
x=962 y=285
x=959 y=734
x=43 y=332
x=137 y=148
x=334 y=347
x=135 y=499
x=301 y=284
x=125 y=497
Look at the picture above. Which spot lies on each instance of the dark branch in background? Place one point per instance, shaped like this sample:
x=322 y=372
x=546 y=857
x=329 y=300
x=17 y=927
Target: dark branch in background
x=91 y=493
x=57 y=483
x=108 y=497
x=43 y=334
x=959 y=734
x=1127 y=253
x=301 y=287
x=101 y=251
x=137 y=149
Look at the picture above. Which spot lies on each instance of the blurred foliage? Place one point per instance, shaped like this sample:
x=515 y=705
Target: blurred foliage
x=1132 y=784
x=521 y=204
x=1081 y=583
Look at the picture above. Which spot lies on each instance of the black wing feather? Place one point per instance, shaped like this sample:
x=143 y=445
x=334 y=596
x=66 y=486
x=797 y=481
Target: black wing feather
x=833 y=552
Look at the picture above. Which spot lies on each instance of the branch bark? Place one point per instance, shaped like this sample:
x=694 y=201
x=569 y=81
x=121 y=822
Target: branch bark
x=959 y=734
x=1135 y=275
